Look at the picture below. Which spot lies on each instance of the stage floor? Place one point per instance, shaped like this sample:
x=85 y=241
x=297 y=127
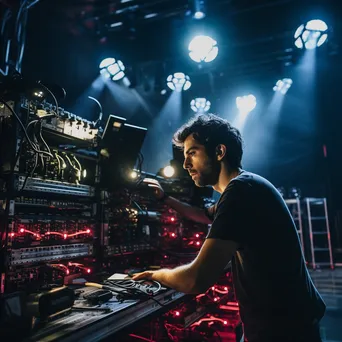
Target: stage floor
x=329 y=284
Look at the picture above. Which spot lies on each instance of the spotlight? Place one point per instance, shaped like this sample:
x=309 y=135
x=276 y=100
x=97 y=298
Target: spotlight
x=246 y=104
x=111 y=68
x=134 y=175
x=200 y=105
x=311 y=35
x=283 y=85
x=169 y=171
x=203 y=49
x=178 y=81
x=198 y=9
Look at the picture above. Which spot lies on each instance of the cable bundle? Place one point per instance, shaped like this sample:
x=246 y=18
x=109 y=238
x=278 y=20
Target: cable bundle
x=130 y=289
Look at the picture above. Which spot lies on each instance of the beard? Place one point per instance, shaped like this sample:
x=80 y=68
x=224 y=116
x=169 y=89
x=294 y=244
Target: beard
x=209 y=173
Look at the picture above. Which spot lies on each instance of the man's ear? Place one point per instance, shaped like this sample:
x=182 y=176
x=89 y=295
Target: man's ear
x=220 y=151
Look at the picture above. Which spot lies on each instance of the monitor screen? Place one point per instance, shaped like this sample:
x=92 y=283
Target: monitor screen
x=122 y=149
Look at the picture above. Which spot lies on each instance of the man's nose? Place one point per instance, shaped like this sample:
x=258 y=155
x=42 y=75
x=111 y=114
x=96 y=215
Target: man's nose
x=186 y=164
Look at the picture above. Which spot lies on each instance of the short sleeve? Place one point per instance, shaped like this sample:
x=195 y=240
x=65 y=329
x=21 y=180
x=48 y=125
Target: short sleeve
x=232 y=217
x=210 y=211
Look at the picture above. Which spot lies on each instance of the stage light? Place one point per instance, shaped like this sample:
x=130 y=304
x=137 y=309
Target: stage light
x=198 y=9
x=282 y=86
x=178 y=81
x=134 y=174
x=168 y=171
x=111 y=68
x=203 y=49
x=311 y=35
x=200 y=105
x=246 y=104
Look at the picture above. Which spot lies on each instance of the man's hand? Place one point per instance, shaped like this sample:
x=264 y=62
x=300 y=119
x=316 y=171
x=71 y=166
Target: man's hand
x=147 y=275
x=157 y=188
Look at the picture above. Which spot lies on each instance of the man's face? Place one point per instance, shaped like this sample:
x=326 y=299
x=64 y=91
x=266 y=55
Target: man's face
x=203 y=170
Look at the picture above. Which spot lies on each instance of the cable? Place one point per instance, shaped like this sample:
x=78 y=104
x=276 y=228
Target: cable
x=217 y=334
x=22 y=127
x=52 y=95
x=58 y=163
x=131 y=289
x=101 y=112
x=42 y=139
x=132 y=284
x=78 y=172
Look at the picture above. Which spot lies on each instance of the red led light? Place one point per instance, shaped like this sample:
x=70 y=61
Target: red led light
x=197 y=235
x=88 y=270
x=12 y=235
x=213 y=288
x=165 y=256
x=172 y=219
x=177 y=313
x=198 y=243
x=88 y=231
x=65 y=236
x=22 y=230
x=226 y=288
x=173 y=235
x=225 y=322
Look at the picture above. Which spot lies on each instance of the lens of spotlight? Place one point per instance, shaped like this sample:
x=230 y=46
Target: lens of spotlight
x=203 y=49
x=134 y=174
x=282 y=86
x=311 y=35
x=198 y=9
x=111 y=68
x=200 y=105
x=246 y=104
x=199 y=15
x=168 y=171
x=178 y=81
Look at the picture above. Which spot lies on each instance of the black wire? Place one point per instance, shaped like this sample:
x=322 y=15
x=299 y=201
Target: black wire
x=217 y=334
x=22 y=127
x=42 y=139
x=130 y=294
x=135 y=285
x=52 y=95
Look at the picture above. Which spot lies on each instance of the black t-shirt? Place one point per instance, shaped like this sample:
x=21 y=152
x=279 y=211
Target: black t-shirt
x=271 y=281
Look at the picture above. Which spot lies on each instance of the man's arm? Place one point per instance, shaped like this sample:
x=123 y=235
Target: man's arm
x=188 y=211
x=200 y=274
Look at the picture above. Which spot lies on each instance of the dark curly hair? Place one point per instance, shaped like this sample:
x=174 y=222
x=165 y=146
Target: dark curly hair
x=210 y=130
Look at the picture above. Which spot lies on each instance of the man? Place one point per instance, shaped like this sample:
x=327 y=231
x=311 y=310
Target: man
x=252 y=226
